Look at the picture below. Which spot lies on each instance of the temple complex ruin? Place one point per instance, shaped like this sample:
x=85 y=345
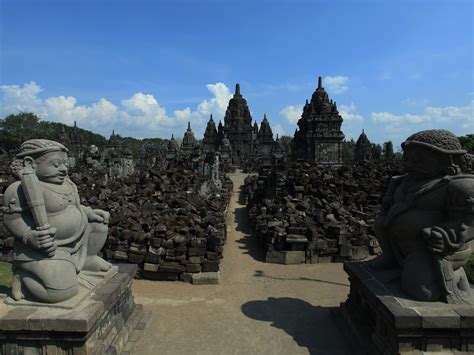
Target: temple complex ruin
x=319 y=136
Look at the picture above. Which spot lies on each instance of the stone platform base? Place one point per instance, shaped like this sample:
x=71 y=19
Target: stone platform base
x=382 y=320
x=100 y=323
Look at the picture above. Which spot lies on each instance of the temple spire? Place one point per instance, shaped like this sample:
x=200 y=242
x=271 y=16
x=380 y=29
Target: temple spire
x=237 y=89
x=210 y=119
x=189 y=126
x=320 y=83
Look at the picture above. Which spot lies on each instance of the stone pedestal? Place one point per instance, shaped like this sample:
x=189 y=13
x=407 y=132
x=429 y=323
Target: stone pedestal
x=99 y=320
x=382 y=320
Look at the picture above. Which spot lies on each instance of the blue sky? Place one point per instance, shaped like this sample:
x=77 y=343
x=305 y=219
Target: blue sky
x=144 y=68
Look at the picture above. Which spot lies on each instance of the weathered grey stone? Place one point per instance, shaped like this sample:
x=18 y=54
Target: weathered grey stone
x=294 y=257
x=435 y=223
x=43 y=212
x=96 y=323
x=206 y=278
x=384 y=319
x=151 y=267
x=275 y=257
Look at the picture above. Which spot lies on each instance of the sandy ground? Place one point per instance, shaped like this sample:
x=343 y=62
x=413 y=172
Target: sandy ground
x=257 y=308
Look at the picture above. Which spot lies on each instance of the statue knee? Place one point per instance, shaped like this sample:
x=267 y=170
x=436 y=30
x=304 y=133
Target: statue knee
x=49 y=281
x=99 y=230
x=426 y=292
x=419 y=279
x=40 y=292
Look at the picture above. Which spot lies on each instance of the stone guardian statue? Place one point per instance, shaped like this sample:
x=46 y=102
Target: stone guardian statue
x=55 y=236
x=426 y=221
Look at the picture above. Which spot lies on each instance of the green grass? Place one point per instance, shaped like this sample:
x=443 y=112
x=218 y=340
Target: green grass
x=5 y=276
x=469 y=267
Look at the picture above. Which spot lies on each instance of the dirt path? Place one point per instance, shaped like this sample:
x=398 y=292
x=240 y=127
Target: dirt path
x=257 y=308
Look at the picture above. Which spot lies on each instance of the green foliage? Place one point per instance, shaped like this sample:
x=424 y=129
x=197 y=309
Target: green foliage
x=348 y=150
x=398 y=156
x=376 y=151
x=469 y=267
x=388 y=150
x=467 y=142
x=5 y=276
x=15 y=129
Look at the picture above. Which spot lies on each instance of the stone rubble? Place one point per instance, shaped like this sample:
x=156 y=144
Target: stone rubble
x=171 y=223
x=304 y=213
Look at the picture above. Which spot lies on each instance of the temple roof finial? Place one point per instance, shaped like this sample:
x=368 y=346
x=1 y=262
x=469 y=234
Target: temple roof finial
x=320 y=83
x=237 y=89
x=189 y=126
x=172 y=136
x=210 y=119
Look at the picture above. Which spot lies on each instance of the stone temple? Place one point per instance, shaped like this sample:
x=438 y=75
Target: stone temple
x=248 y=142
x=319 y=136
x=363 y=148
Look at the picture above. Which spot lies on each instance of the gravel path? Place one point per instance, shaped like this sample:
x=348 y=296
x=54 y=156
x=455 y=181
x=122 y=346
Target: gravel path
x=257 y=308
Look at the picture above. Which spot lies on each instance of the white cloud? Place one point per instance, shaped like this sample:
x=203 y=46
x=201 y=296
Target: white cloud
x=218 y=104
x=278 y=129
x=336 y=84
x=21 y=99
x=430 y=113
x=139 y=115
x=384 y=117
x=348 y=113
x=458 y=119
x=292 y=113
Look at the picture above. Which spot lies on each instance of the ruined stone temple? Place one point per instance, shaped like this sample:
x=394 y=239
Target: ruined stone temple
x=189 y=145
x=76 y=144
x=117 y=159
x=363 y=148
x=247 y=142
x=172 y=149
x=265 y=142
x=319 y=137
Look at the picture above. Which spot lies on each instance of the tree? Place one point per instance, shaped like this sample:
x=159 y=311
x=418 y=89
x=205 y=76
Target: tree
x=15 y=129
x=467 y=142
x=388 y=150
x=348 y=150
x=376 y=151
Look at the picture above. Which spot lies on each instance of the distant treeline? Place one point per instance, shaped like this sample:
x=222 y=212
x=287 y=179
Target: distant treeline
x=15 y=129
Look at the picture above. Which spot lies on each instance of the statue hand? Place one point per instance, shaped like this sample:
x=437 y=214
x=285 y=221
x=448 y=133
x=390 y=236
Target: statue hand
x=43 y=240
x=99 y=216
x=435 y=239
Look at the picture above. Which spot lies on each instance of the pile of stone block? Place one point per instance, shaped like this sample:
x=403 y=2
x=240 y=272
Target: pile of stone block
x=161 y=222
x=171 y=223
x=6 y=241
x=304 y=213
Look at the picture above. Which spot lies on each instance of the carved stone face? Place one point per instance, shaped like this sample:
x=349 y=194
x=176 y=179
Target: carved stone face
x=51 y=167
x=424 y=163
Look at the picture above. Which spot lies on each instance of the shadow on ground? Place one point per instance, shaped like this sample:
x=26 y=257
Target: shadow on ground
x=260 y=273
x=248 y=242
x=310 y=326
